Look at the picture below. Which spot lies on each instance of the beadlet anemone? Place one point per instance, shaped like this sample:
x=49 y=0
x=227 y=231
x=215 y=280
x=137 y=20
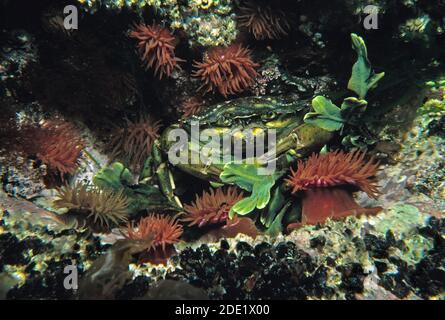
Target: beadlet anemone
x=157 y=48
x=212 y=209
x=228 y=70
x=165 y=231
x=264 y=22
x=326 y=184
x=56 y=143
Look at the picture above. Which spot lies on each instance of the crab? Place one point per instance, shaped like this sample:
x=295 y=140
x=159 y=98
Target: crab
x=294 y=139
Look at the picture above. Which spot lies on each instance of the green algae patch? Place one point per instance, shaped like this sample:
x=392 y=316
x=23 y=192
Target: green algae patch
x=402 y=219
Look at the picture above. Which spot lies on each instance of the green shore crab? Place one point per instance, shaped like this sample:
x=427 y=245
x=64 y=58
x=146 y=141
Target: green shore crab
x=293 y=139
x=259 y=114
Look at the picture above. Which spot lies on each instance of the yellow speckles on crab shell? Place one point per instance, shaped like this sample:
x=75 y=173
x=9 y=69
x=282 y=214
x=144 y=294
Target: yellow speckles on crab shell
x=256 y=131
x=217 y=131
x=279 y=123
x=237 y=134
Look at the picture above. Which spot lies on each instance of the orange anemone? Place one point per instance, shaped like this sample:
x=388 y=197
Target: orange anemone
x=157 y=48
x=135 y=140
x=57 y=143
x=228 y=70
x=192 y=106
x=326 y=184
x=212 y=207
x=165 y=232
x=264 y=22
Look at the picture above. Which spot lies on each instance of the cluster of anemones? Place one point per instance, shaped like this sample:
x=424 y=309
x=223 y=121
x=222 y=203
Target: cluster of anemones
x=326 y=183
x=228 y=70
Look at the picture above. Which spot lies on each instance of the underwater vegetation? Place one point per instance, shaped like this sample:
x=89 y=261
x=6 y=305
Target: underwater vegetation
x=352 y=209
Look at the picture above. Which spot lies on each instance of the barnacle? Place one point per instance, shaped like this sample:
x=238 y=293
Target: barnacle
x=264 y=22
x=157 y=48
x=229 y=70
x=326 y=183
x=94 y=207
x=135 y=140
x=212 y=207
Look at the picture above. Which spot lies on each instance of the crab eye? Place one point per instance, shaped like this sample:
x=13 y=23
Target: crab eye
x=269 y=115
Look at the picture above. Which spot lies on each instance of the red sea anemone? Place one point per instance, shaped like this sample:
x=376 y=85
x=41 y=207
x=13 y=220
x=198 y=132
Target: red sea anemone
x=229 y=70
x=212 y=207
x=56 y=143
x=263 y=21
x=156 y=47
x=326 y=183
x=164 y=230
x=135 y=140
x=192 y=106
